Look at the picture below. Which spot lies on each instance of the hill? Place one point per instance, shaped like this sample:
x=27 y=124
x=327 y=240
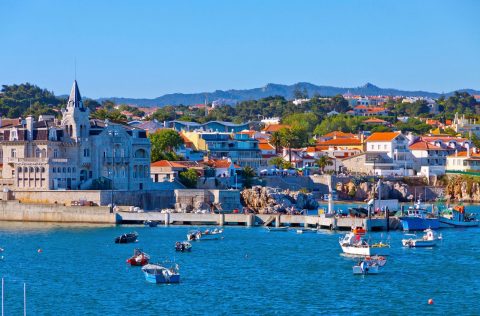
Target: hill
x=271 y=89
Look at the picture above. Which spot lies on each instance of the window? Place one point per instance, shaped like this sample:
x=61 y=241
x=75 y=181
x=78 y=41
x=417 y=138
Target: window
x=13 y=153
x=86 y=152
x=55 y=153
x=53 y=170
x=37 y=153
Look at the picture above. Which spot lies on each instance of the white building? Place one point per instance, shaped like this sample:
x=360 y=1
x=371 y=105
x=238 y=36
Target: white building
x=76 y=153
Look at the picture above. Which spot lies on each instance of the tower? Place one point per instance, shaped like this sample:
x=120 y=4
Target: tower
x=76 y=117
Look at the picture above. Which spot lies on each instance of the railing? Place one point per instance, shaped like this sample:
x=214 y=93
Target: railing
x=108 y=160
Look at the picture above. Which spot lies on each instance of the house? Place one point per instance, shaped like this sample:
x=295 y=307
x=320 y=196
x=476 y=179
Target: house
x=429 y=159
x=165 y=170
x=240 y=148
x=223 y=167
x=463 y=125
x=212 y=126
x=378 y=163
x=271 y=128
x=395 y=146
x=74 y=153
x=464 y=161
x=376 y=121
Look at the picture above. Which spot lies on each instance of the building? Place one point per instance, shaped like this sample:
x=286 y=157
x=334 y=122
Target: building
x=429 y=159
x=164 y=170
x=212 y=126
x=464 y=161
x=74 y=153
x=240 y=148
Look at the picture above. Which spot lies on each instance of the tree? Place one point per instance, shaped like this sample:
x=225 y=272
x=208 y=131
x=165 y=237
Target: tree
x=189 y=178
x=323 y=162
x=278 y=162
x=248 y=175
x=164 y=141
x=276 y=140
x=112 y=115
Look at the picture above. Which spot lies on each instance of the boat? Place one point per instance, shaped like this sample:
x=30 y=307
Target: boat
x=429 y=239
x=139 y=258
x=183 y=246
x=365 y=267
x=353 y=244
x=359 y=231
x=418 y=218
x=126 y=238
x=150 y=223
x=277 y=229
x=207 y=234
x=161 y=273
x=456 y=217
x=306 y=230
x=378 y=260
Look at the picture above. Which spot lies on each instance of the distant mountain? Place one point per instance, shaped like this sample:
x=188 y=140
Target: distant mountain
x=271 y=89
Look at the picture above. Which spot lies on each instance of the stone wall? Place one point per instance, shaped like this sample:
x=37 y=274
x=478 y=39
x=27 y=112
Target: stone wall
x=16 y=211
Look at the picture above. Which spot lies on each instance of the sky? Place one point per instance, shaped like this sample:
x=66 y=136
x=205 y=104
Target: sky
x=145 y=49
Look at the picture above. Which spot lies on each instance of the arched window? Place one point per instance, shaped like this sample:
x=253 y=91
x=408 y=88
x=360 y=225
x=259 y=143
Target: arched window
x=19 y=169
x=37 y=169
x=140 y=153
x=42 y=169
x=64 y=170
x=25 y=169
x=69 y=170
x=44 y=153
x=31 y=169
x=55 y=153
x=53 y=170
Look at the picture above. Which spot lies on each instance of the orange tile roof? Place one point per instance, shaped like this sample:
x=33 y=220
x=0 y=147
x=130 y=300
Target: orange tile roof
x=265 y=146
x=340 y=142
x=221 y=163
x=422 y=145
x=382 y=136
x=175 y=164
x=473 y=154
x=161 y=163
x=444 y=139
x=275 y=127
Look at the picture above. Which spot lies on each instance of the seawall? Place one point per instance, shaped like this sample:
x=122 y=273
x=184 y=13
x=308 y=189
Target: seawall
x=16 y=211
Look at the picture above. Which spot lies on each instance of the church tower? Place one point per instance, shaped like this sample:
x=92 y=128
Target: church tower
x=76 y=117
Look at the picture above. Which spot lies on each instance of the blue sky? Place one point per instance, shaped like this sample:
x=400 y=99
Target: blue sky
x=157 y=47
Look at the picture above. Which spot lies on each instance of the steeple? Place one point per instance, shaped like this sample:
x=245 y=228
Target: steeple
x=75 y=99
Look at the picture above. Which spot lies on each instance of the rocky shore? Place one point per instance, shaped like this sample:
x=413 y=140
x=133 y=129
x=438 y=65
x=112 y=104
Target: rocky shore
x=265 y=200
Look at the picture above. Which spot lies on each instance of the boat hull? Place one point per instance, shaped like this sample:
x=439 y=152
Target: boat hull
x=418 y=223
x=159 y=278
x=446 y=222
x=357 y=251
x=370 y=270
x=418 y=243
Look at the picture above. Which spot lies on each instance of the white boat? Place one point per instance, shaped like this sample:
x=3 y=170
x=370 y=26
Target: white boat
x=207 y=234
x=376 y=260
x=365 y=267
x=306 y=230
x=354 y=244
x=429 y=239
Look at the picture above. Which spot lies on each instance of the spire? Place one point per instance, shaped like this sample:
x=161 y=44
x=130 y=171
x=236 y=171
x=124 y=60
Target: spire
x=75 y=99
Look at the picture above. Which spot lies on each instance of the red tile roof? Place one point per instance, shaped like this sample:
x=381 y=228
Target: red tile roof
x=275 y=127
x=375 y=120
x=422 y=145
x=339 y=134
x=340 y=142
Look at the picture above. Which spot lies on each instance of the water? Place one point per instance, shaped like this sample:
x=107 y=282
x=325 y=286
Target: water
x=252 y=271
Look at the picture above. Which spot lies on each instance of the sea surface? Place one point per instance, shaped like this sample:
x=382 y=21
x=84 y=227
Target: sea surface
x=81 y=271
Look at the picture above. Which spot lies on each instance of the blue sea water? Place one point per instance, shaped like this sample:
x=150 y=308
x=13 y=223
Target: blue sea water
x=80 y=271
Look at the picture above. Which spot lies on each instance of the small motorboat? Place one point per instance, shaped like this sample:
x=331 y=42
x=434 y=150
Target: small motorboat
x=277 y=229
x=365 y=267
x=207 y=234
x=429 y=239
x=150 y=223
x=359 y=231
x=376 y=260
x=161 y=273
x=183 y=246
x=306 y=230
x=139 y=258
x=126 y=238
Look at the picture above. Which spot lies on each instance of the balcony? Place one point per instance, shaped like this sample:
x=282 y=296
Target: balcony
x=116 y=160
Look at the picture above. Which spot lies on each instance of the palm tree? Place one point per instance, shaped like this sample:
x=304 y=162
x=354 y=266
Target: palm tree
x=248 y=175
x=276 y=140
x=323 y=161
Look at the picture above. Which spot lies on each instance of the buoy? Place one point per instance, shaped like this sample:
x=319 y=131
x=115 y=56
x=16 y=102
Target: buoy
x=430 y=301
x=39 y=250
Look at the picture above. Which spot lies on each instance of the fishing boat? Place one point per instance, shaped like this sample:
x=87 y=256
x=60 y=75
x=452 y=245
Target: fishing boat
x=150 y=223
x=353 y=244
x=429 y=239
x=183 y=246
x=277 y=229
x=418 y=218
x=126 y=238
x=456 y=217
x=207 y=234
x=161 y=273
x=365 y=267
x=139 y=258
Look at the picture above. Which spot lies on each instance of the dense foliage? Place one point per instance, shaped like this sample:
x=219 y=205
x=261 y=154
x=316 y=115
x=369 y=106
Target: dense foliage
x=164 y=142
x=188 y=178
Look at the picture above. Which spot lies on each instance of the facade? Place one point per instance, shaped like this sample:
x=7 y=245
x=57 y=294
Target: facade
x=75 y=153
x=240 y=148
x=212 y=126
x=394 y=145
x=464 y=161
x=429 y=159
x=462 y=125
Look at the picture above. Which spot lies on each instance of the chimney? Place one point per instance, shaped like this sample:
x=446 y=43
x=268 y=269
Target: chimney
x=29 y=122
